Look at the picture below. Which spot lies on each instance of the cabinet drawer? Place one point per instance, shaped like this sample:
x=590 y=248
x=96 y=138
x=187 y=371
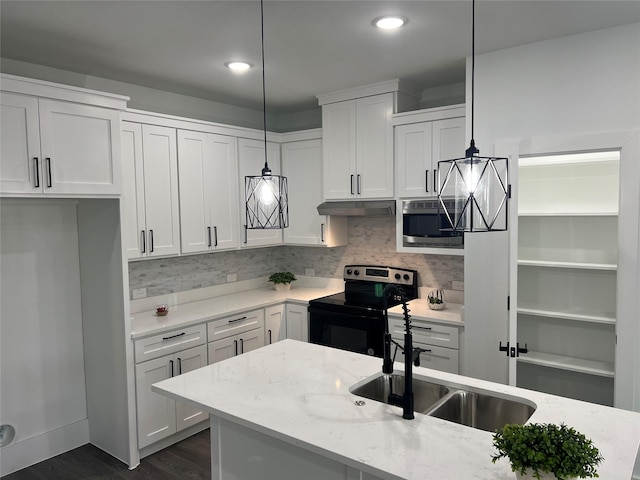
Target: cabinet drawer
x=169 y=342
x=426 y=332
x=233 y=325
x=438 y=358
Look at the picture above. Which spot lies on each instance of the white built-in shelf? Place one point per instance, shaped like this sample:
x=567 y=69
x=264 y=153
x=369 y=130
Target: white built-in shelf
x=606 y=213
x=578 y=315
x=573 y=364
x=579 y=265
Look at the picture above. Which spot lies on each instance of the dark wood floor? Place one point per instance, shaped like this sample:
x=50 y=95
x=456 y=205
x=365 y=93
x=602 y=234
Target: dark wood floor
x=186 y=460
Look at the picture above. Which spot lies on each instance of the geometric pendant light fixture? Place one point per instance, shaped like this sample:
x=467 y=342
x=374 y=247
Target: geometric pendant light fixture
x=478 y=185
x=266 y=195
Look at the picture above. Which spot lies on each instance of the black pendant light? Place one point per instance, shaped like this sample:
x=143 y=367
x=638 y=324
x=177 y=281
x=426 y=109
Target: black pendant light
x=266 y=195
x=478 y=185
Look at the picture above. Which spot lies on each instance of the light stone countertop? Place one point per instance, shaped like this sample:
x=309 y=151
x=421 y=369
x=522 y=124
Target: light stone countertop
x=299 y=393
x=191 y=313
x=147 y=323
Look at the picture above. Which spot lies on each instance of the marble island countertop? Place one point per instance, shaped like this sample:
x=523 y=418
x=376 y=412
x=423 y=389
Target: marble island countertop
x=299 y=393
x=146 y=322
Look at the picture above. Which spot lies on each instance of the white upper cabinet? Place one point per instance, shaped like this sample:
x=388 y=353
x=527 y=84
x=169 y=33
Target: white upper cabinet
x=207 y=165
x=58 y=148
x=302 y=165
x=419 y=147
x=250 y=163
x=150 y=155
x=358 y=148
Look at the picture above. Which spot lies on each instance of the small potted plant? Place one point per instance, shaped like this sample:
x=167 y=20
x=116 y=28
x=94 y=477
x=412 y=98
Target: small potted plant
x=546 y=451
x=282 y=280
x=435 y=299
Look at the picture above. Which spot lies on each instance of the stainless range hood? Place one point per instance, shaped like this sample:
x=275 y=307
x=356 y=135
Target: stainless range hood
x=358 y=208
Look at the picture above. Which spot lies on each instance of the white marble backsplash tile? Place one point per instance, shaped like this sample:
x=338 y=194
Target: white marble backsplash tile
x=371 y=241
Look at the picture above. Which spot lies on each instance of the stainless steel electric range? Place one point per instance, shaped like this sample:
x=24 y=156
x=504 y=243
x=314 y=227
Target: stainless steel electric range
x=354 y=320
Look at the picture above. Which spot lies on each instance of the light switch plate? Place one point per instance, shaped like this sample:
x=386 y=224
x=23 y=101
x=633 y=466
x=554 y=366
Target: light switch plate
x=310 y=272
x=457 y=285
x=232 y=277
x=139 y=293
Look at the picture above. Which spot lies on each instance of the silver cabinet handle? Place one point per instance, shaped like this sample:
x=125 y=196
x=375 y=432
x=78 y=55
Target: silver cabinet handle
x=237 y=319
x=36 y=169
x=49 y=182
x=209 y=235
x=359 y=192
x=322 y=232
x=351 y=184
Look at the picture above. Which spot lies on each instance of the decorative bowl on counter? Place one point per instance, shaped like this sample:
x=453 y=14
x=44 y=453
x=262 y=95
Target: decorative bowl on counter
x=162 y=310
x=435 y=300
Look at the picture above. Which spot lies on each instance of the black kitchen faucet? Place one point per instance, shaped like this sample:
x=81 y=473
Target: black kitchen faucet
x=411 y=354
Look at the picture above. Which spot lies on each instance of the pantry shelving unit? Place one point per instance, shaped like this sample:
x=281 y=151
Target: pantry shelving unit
x=567 y=264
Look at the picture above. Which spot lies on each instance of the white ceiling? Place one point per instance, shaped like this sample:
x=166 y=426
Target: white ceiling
x=311 y=46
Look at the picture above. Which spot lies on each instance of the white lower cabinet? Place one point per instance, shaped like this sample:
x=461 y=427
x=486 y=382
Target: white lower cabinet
x=297 y=322
x=440 y=342
x=235 y=335
x=159 y=416
x=275 y=327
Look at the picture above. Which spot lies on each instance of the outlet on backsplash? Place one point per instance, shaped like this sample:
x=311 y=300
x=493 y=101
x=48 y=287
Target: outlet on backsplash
x=457 y=285
x=310 y=272
x=232 y=277
x=139 y=293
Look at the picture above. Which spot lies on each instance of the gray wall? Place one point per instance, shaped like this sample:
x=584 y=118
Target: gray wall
x=371 y=241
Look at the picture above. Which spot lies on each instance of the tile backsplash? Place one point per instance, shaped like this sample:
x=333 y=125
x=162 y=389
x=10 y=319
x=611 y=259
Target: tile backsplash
x=371 y=241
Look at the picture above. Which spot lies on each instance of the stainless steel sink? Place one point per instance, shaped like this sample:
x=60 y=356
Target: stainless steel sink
x=482 y=411
x=454 y=403
x=425 y=394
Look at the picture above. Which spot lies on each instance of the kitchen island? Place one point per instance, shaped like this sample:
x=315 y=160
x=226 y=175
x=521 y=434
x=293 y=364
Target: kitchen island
x=286 y=411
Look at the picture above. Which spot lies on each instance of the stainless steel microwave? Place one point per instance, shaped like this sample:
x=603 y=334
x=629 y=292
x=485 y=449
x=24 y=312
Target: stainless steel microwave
x=426 y=225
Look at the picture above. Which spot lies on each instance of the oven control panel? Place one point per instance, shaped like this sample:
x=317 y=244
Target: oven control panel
x=369 y=273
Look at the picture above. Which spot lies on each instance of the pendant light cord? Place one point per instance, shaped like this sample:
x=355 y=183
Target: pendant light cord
x=473 y=62
x=264 y=95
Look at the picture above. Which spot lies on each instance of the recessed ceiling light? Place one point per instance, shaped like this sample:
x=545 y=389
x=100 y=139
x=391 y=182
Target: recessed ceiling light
x=238 y=67
x=390 y=22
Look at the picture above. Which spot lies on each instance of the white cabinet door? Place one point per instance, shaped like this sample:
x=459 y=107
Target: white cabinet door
x=207 y=166
x=161 y=190
x=188 y=360
x=223 y=191
x=156 y=413
x=302 y=165
x=251 y=160
x=415 y=172
x=374 y=146
x=133 y=211
x=339 y=149
x=222 y=349
x=448 y=143
x=20 y=160
x=81 y=148
x=193 y=155
x=274 y=323
x=251 y=340
x=297 y=322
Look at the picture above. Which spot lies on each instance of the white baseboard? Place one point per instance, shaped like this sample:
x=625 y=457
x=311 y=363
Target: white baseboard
x=30 y=451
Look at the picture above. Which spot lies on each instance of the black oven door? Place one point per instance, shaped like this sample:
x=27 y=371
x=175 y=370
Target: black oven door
x=360 y=333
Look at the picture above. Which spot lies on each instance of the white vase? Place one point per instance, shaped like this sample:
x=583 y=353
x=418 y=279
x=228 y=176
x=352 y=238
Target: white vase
x=281 y=287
